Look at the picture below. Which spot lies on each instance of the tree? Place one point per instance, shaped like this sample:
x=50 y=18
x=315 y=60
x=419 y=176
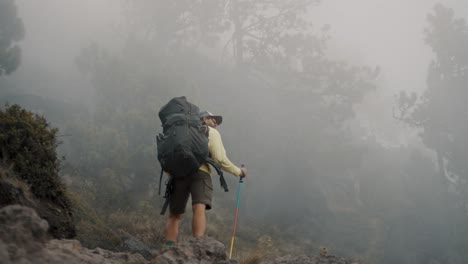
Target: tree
x=270 y=31
x=442 y=110
x=11 y=31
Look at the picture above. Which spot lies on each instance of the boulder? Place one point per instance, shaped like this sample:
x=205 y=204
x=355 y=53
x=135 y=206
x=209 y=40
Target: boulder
x=204 y=250
x=25 y=239
x=303 y=259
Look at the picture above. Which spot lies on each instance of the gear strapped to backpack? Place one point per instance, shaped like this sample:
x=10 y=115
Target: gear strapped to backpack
x=183 y=146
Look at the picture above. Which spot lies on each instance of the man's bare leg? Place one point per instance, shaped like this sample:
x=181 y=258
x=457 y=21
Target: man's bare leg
x=198 y=220
x=172 y=227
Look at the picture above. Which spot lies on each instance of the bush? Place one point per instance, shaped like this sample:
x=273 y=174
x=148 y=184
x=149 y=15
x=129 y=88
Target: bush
x=28 y=147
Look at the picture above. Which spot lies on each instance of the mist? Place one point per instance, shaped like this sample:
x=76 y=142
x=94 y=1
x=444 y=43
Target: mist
x=338 y=150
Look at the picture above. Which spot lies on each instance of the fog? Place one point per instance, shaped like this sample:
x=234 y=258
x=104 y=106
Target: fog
x=388 y=34
x=332 y=158
x=56 y=32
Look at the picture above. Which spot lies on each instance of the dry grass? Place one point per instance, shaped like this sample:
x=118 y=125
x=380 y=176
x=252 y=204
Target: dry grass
x=265 y=248
x=98 y=229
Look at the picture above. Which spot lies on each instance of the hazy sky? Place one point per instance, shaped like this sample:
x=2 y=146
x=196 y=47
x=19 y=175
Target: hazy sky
x=56 y=30
x=385 y=33
x=388 y=34
x=371 y=32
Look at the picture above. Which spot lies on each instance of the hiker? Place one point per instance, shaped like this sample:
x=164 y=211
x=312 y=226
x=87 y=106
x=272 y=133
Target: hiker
x=199 y=185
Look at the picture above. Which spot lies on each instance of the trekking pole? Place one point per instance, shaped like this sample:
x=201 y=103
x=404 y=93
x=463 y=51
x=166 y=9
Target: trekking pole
x=237 y=213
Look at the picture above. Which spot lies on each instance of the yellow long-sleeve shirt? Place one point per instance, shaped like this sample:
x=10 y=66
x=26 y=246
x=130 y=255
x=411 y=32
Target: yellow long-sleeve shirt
x=218 y=154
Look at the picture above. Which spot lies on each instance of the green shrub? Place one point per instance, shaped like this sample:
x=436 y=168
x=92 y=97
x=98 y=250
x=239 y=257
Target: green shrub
x=28 y=146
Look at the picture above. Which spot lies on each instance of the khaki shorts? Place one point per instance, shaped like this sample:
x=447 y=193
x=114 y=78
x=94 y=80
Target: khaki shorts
x=199 y=186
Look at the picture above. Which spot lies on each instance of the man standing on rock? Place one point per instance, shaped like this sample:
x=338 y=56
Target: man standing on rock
x=199 y=185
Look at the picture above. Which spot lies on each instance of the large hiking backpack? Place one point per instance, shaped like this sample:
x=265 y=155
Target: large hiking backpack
x=183 y=146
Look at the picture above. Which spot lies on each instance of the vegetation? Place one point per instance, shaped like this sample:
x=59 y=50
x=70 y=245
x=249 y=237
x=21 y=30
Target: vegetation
x=12 y=31
x=444 y=128
x=440 y=112
x=28 y=146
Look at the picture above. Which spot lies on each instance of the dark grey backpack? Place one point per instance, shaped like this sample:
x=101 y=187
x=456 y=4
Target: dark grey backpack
x=183 y=146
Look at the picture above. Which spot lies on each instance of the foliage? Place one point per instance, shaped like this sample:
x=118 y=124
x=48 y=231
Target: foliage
x=97 y=229
x=264 y=249
x=114 y=159
x=91 y=229
x=28 y=145
x=11 y=31
x=441 y=110
x=13 y=190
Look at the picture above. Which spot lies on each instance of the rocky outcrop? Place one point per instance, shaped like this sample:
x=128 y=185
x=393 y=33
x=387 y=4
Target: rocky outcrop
x=133 y=245
x=196 y=251
x=15 y=191
x=309 y=260
x=24 y=239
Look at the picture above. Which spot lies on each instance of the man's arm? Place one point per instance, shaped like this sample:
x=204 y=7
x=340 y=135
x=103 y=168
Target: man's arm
x=218 y=153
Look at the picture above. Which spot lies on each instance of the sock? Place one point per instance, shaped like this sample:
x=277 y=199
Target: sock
x=169 y=243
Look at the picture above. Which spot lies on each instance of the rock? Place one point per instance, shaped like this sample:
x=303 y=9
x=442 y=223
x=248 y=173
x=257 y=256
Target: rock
x=23 y=232
x=25 y=240
x=133 y=245
x=309 y=260
x=198 y=250
x=71 y=251
x=58 y=215
x=5 y=259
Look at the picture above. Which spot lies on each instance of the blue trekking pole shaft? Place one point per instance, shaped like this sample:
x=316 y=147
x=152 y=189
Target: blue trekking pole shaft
x=236 y=213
